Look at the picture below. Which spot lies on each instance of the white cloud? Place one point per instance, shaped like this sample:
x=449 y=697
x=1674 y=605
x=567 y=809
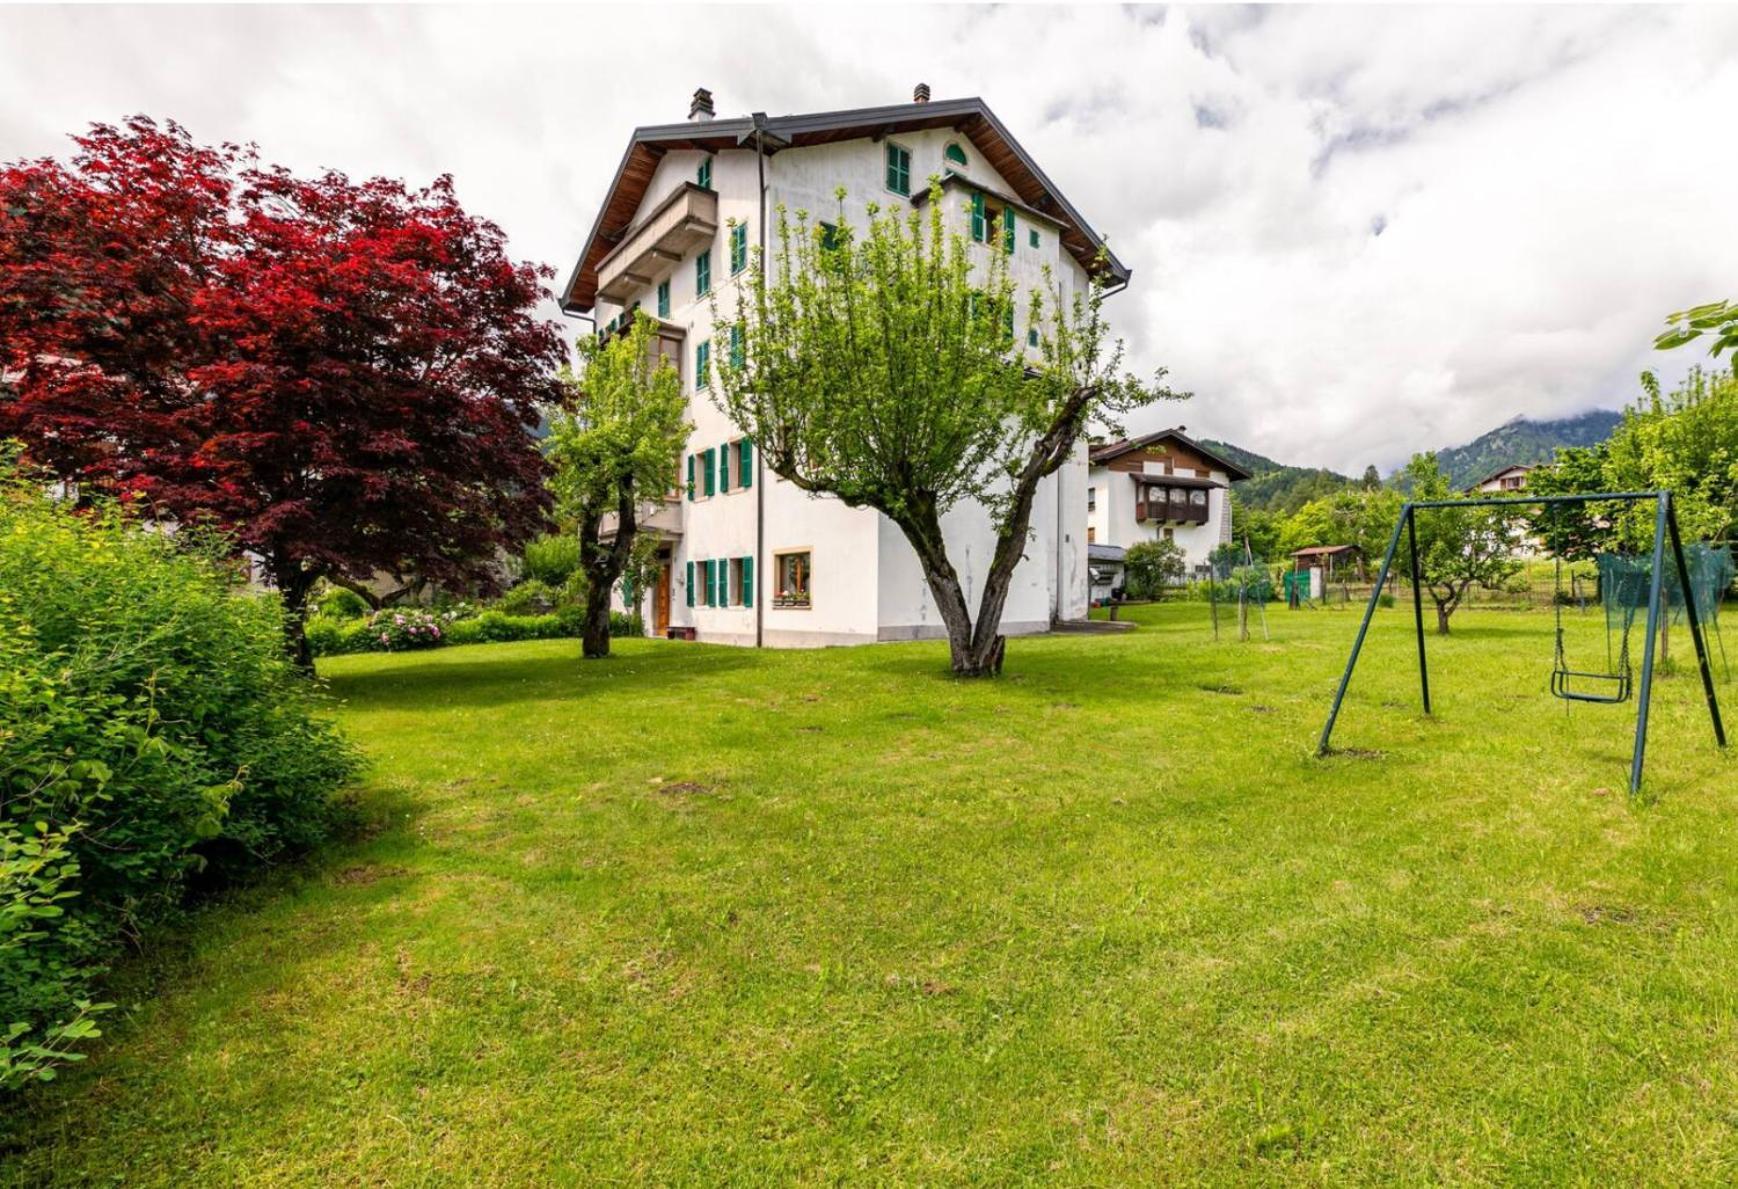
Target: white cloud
x=1548 y=182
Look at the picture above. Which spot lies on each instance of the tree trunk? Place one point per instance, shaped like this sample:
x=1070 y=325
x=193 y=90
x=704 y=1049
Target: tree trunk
x=294 y=585
x=922 y=529
x=1443 y=611
x=595 y=637
x=603 y=566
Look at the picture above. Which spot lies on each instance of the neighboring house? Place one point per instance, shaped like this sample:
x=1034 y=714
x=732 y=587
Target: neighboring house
x=747 y=558
x=1162 y=486
x=1501 y=482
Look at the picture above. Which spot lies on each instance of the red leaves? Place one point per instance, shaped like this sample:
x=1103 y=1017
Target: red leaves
x=342 y=373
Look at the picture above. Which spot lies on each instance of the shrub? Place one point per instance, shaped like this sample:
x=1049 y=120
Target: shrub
x=531 y=597
x=552 y=560
x=1152 y=566
x=151 y=730
x=337 y=602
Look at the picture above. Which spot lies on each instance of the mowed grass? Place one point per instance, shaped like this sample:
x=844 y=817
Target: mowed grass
x=703 y=915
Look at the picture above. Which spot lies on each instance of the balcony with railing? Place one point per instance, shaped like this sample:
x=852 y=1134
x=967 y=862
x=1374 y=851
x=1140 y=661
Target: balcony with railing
x=686 y=220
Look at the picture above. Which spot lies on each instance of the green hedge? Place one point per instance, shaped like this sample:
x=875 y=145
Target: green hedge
x=330 y=637
x=151 y=731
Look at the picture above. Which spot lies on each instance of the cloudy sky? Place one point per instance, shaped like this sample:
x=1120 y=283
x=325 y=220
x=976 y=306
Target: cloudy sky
x=1355 y=232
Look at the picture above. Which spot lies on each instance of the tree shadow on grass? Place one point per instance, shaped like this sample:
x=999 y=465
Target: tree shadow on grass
x=486 y=675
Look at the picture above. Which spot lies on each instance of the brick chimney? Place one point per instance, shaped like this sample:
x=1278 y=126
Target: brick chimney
x=920 y=93
x=700 y=108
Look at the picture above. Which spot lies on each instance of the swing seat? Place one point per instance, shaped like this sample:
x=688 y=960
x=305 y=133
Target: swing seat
x=1605 y=689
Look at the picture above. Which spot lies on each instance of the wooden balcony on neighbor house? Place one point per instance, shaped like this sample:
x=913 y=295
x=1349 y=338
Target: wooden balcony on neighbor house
x=1172 y=499
x=649 y=252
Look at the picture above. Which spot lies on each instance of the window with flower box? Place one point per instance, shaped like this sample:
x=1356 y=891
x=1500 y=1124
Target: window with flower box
x=791 y=575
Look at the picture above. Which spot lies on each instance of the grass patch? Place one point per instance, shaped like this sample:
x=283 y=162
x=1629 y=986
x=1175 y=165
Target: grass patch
x=703 y=914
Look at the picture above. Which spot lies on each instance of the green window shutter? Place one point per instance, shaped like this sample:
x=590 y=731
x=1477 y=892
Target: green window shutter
x=736 y=353
x=745 y=463
x=979 y=222
x=898 y=170
x=1008 y=329
x=703 y=273
x=663 y=299
x=723 y=582
x=703 y=365
x=738 y=247
x=955 y=154
x=724 y=468
x=690 y=476
x=1032 y=236
x=710 y=466
x=1032 y=337
x=690 y=581
x=711 y=583
x=703 y=176
x=748 y=582
x=1008 y=231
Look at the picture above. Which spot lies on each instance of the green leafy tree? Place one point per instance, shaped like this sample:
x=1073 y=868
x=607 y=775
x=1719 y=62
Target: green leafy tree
x=1718 y=318
x=1458 y=548
x=1151 y=566
x=614 y=448
x=1356 y=516
x=1685 y=442
x=1573 y=532
x=892 y=370
x=1372 y=478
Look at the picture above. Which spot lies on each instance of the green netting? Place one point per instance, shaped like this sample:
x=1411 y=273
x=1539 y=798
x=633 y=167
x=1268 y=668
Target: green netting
x=1624 y=579
x=1237 y=578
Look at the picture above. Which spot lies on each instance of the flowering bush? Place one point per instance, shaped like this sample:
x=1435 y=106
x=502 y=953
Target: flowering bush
x=400 y=630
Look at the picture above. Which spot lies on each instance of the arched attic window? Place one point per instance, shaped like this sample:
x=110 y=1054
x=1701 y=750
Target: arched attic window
x=953 y=154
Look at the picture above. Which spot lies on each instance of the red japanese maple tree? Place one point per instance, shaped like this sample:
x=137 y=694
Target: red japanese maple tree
x=343 y=375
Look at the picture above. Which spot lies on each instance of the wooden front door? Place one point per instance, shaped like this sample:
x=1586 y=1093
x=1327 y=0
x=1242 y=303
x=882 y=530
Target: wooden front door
x=661 y=603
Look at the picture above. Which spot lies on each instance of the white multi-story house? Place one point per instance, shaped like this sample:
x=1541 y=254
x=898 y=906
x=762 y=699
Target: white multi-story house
x=1161 y=486
x=747 y=558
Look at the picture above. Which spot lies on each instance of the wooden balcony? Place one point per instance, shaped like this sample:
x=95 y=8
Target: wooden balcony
x=1170 y=512
x=686 y=220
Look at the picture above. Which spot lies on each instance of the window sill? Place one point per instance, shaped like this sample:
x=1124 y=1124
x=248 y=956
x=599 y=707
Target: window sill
x=785 y=604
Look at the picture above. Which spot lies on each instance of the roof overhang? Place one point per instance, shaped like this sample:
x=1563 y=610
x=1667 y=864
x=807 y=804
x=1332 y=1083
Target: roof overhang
x=972 y=118
x=1099 y=455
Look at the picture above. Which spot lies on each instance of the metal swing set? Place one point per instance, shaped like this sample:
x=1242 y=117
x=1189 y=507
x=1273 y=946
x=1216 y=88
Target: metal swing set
x=1613 y=686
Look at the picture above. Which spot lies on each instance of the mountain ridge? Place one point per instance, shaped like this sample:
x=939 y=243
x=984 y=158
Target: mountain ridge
x=1282 y=487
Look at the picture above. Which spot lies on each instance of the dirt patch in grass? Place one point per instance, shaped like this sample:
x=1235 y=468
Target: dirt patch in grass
x=367 y=873
x=687 y=788
x=1358 y=753
x=1208 y=687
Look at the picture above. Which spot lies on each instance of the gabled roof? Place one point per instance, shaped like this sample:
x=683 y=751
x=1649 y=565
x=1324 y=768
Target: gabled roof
x=971 y=117
x=1099 y=455
x=1523 y=467
x=1324 y=550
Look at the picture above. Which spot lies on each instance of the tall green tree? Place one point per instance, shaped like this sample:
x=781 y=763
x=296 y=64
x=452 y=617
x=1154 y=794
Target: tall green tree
x=1458 y=548
x=614 y=448
x=900 y=369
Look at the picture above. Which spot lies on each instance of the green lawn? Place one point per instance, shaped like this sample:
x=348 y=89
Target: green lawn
x=703 y=914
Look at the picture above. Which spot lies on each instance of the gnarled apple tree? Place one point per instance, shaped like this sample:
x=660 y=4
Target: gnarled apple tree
x=892 y=370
